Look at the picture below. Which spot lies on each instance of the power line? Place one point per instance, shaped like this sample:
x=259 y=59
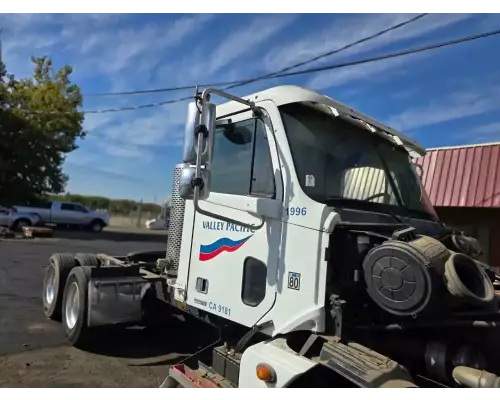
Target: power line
x=109 y=110
x=330 y=53
x=234 y=84
x=307 y=71
x=391 y=55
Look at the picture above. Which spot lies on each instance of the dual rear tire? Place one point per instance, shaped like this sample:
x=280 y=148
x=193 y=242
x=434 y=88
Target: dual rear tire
x=65 y=293
x=66 y=297
x=75 y=307
x=56 y=274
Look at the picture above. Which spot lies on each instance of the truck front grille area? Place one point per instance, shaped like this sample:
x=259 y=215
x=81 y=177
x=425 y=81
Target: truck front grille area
x=178 y=207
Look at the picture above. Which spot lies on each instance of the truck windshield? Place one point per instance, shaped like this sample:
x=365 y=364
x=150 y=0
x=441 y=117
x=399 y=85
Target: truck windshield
x=344 y=165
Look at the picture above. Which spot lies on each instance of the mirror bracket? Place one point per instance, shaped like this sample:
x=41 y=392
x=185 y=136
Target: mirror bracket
x=202 y=129
x=197 y=182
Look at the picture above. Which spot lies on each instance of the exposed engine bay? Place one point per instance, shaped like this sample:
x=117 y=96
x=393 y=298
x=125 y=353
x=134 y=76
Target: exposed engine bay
x=424 y=301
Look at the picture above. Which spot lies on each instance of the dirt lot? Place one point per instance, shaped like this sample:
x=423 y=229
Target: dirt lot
x=33 y=351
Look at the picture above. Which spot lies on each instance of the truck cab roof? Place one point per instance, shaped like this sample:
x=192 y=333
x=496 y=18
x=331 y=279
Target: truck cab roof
x=286 y=94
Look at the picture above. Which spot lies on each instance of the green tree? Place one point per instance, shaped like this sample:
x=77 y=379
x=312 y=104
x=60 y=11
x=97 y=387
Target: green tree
x=39 y=124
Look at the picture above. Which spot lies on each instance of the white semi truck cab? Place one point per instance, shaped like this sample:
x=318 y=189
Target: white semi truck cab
x=299 y=228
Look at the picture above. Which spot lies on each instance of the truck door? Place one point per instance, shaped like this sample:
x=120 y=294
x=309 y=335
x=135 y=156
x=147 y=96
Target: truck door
x=61 y=213
x=70 y=213
x=233 y=270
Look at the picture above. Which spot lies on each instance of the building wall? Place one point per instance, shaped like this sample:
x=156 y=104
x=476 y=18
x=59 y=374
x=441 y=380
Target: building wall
x=466 y=176
x=463 y=184
x=482 y=223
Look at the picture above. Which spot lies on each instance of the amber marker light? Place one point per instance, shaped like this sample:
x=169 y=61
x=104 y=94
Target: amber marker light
x=265 y=373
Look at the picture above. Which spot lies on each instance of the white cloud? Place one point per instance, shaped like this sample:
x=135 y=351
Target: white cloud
x=111 y=51
x=93 y=163
x=127 y=151
x=489 y=21
x=484 y=133
x=492 y=128
x=132 y=137
x=21 y=22
x=93 y=122
x=350 y=29
x=25 y=35
x=204 y=63
x=360 y=72
x=405 y=93
x=79 y=158
x=136 y=134
x=454 y=106
x=95 y=43
x=185 y=26
x=245 y=41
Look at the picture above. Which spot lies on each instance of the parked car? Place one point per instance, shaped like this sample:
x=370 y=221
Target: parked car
x=17 y=220
x=157 y=224
x=69 y=214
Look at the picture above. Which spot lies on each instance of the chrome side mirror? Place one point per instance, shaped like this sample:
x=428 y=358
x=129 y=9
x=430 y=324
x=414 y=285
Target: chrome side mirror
x=207 y=124
x=192 y=122
x=200 y=123
x=199 y=139
x=187 y=179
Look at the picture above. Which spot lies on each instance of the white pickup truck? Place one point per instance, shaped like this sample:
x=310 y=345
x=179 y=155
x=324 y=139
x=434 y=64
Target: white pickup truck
x=69 y=214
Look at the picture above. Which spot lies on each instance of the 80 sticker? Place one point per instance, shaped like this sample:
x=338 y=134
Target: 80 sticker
x=294 y=280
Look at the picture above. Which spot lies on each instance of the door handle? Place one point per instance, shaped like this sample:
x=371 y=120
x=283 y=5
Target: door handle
x=202 y=285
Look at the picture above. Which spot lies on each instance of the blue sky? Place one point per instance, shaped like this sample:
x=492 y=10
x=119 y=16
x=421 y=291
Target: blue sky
x=444 y=97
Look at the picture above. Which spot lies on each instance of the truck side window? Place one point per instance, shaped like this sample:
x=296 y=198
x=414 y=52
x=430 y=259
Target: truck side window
x=262 y=177
x=67 y=207
x=80 y=208
x=242 y=163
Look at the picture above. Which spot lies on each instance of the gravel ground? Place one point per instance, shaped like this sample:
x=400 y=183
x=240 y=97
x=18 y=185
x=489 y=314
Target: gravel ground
x=33 y=350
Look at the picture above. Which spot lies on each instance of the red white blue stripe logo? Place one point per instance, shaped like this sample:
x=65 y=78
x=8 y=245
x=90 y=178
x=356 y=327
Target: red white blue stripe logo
x=210 y=251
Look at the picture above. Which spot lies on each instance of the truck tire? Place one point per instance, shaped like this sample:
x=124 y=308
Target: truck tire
x=96 y=226
x=87 y=259
x=74 y=306
x=60 y=265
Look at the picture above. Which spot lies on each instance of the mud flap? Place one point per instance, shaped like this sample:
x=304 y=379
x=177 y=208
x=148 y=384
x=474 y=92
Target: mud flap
x=115 y=300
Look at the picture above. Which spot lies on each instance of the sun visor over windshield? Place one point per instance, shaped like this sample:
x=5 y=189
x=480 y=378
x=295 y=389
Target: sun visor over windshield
x=414 y=151
x=365 y=122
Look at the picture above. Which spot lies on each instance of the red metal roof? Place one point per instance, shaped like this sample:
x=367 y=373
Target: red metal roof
x=467 y=176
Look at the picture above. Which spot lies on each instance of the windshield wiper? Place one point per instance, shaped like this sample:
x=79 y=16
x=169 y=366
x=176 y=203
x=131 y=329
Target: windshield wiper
x=389 y=177
x=400 y=220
